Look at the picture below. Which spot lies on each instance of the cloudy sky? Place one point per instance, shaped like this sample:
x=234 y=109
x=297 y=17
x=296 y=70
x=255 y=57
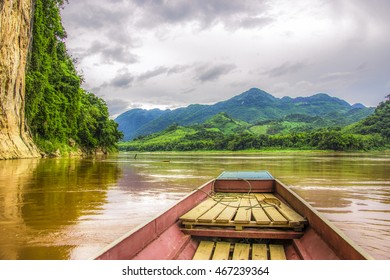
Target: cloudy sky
x=172 y=53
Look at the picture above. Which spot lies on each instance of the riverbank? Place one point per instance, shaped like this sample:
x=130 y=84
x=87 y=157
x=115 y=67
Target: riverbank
x=50 y=149
x=253 y=152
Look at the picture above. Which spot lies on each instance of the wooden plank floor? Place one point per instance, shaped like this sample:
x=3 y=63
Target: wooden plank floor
x=259 y=252
x=199 y=210
x=204 y=250
x=276 y=252
x=243 y=210
x=228 y=213
x=220 y=250
x=241 y=251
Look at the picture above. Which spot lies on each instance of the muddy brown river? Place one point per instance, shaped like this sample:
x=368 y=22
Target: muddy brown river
x=72 y=208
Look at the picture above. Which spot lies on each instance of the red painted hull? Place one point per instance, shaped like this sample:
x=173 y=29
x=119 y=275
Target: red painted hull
x=164 y=238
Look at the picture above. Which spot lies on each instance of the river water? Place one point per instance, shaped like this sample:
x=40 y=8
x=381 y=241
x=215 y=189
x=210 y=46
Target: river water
x=72 y=208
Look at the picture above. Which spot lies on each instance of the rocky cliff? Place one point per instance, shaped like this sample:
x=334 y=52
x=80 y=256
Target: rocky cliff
x=15 y=31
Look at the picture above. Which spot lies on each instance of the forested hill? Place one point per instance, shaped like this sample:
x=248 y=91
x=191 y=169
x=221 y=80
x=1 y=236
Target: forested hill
x=296 y=131
x=62 y=116
x=252 y=106
x=377 y=123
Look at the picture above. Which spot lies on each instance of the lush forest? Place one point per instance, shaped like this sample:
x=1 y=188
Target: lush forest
x=378 y=123
x=62 y=116
x=222 y=132
x=256 y=108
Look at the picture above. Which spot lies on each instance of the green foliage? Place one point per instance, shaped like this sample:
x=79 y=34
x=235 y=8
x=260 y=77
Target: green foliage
x=378 y=123
x=96 y=130
x=275 y=128
x=222 y=132
x=225 y=124
x=200 y=138
x=57 y=108
x=254 y=107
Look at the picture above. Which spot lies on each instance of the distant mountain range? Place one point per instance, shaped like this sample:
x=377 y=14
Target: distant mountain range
x=254 y=106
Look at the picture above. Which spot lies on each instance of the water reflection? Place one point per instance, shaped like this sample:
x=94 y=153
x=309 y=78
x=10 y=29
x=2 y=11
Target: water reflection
x=71 y=208
x=40 y=199
x=362 y=211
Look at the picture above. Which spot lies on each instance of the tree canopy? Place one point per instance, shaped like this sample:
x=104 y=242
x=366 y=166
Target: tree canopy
x=372 y=132
x=379 y=122
x=59 y=112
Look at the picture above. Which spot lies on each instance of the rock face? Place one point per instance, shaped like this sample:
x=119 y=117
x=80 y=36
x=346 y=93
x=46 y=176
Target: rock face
x=15 y=31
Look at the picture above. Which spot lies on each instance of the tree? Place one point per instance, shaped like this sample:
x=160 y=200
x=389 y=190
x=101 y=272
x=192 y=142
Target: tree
x=378 y=123
x=57 y=108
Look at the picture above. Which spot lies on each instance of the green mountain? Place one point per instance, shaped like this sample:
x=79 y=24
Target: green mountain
x=135 y=119
x=225 y=124
x=193 y=137
x=222 y=132
x=252 y=107
x=294 y=131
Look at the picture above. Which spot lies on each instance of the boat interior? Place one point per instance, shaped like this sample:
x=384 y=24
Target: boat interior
x=242 y=226
x=244 y=219
x=238 y=216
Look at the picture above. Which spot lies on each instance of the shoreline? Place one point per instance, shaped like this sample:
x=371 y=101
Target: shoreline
x=265 y=151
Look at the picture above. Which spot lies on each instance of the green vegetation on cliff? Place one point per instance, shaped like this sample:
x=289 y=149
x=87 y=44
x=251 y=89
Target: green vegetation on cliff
x=61 y=114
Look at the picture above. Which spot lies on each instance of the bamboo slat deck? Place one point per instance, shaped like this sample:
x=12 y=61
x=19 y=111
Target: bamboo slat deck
x=209 y=250
x=260 y=210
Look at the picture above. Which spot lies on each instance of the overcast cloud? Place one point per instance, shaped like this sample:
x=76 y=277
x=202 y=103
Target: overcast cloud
x=170 y=54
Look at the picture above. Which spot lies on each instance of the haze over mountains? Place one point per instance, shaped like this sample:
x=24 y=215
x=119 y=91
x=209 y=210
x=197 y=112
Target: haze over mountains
x=252 y=106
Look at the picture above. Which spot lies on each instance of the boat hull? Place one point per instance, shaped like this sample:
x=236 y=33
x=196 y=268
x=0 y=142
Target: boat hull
x=165 y=238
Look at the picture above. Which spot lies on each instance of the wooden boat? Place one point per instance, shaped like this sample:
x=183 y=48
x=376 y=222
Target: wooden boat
x=239 y=215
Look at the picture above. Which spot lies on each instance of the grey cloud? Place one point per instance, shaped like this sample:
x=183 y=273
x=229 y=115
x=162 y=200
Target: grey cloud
x=109 y=31
x=204 y=12
x=210 y=73
x=122 y=80
x=152 y=73
x=255 y=22
x=106 y=20
x=336 y=75
x=110 y=53
x=117 y=106
x=116 y=23
x=369 y=18
x=119 y=53
x=125 y=79
x=177 y=69
x=105 y=14
x=187 y=90
x=375 y=10
x=120 y=36
x=285 y=68
x=95 y=14
x=362 y=66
